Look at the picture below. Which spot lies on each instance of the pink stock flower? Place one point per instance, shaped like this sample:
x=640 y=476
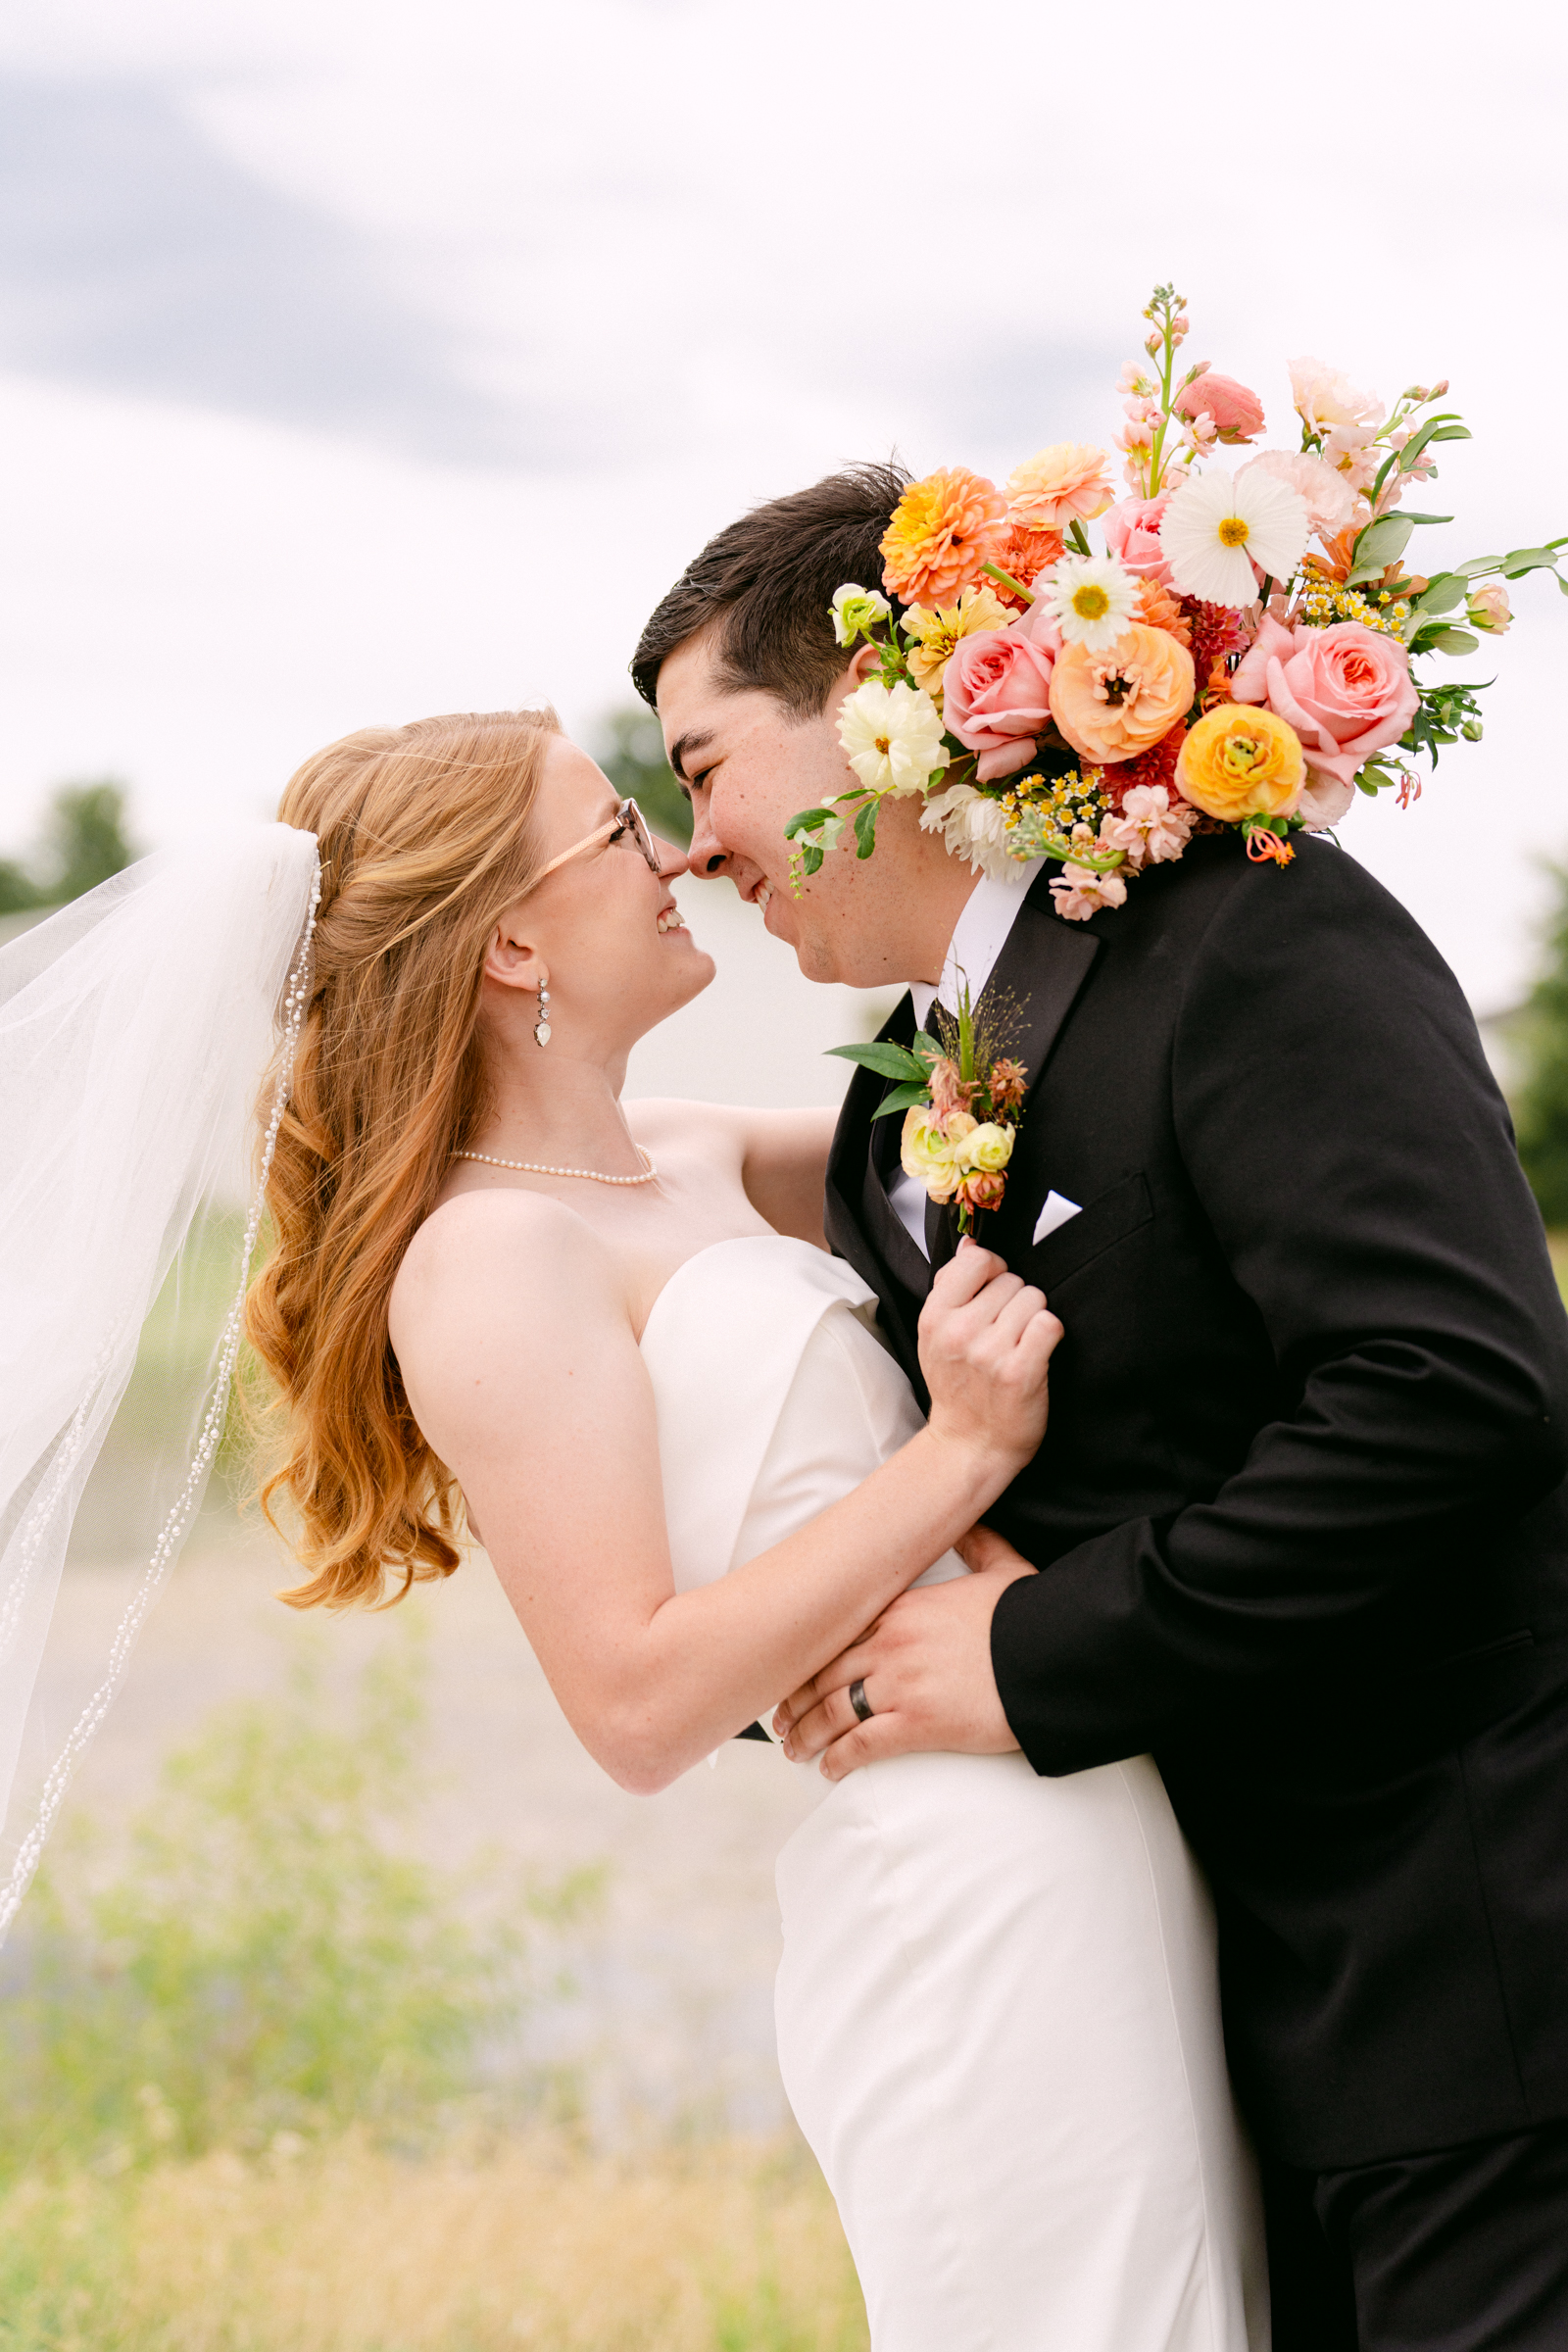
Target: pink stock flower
x=1346 y=690
x=1149 y=828
x=1324 y=800
x=1079 y=892
x=1132 y=535
x=995 y=698
x=1237 y=413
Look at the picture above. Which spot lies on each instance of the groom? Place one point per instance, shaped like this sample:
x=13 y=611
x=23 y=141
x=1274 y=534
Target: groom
x=1299 y=1518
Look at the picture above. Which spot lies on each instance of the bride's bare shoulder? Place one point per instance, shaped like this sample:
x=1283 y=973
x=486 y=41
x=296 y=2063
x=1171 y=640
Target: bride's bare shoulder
x=485 y=1254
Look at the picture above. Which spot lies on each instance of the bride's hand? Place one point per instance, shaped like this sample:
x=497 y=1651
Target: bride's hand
x=986 y=1343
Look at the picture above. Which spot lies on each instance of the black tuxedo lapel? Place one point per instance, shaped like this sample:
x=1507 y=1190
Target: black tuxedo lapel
x=861 y=1221
x=1043 y=966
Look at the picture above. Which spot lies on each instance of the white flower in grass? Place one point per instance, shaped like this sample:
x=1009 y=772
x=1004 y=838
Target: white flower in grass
x=1092 y=598
x=892 y=737
x=1215 y=530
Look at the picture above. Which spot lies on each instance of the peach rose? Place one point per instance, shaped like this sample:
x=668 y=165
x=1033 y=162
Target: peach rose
x=995 y=695
x=1132 y=536
x=1346 y=690
x=1114 y=704
x=1058 y=485
x=1237 y=412
x=943 y=530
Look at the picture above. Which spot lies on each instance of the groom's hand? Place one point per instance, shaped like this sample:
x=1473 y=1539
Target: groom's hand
x=927 y=1670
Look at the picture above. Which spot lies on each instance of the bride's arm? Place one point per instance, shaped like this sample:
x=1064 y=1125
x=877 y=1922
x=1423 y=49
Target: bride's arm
x=781 y=1154
x=523 y=1370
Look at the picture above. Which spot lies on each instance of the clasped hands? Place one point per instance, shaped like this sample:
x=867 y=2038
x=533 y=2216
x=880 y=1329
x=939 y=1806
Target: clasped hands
x=926 y=1667
x=922 y=1672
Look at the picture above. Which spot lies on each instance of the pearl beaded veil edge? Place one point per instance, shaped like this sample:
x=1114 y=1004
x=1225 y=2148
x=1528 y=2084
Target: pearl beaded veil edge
x=136 y=1029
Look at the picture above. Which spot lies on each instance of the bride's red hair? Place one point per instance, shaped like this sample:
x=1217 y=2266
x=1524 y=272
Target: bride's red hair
x=425 y=838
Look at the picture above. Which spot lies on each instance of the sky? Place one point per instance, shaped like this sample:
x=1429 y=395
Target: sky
x=361 y=362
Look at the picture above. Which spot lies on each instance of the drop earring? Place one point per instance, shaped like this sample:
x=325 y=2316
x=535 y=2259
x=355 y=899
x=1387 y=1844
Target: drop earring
x=541 y=1027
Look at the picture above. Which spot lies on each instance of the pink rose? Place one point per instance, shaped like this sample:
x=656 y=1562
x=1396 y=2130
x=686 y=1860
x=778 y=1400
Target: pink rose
x=1347 y=690
x=1132 y=536
x=996 y=699
x=1237 y=412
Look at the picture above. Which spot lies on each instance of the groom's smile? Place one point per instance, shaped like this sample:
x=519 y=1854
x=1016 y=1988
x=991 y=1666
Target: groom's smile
x=747 y=764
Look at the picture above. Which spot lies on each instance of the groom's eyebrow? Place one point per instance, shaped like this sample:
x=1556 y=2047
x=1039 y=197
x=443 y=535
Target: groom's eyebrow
x=696 y=740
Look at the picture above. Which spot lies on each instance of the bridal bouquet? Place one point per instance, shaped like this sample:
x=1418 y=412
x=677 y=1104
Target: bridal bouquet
x=1239 y=655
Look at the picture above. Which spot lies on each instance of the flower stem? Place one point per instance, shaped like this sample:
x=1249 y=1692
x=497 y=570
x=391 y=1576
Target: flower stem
x=1008 y=581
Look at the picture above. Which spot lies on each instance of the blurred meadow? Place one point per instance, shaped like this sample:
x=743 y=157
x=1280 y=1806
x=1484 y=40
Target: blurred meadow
x=358 y=363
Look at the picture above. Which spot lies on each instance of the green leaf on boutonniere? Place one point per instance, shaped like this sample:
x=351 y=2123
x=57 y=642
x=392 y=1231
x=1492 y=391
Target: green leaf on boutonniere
x=903 y=1098
x=926 y=1048
x=887 y=1059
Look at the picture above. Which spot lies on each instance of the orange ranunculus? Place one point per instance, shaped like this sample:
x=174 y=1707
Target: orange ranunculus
x=1239 y=760
x=1113 y=704
x=942 y=530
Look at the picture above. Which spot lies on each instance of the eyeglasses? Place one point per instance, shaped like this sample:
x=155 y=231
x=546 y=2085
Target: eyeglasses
x=627 y=823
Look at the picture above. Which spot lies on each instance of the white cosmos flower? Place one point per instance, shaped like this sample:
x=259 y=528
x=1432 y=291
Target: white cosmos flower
x=1215 y=530
x=892 y=736
x=1092 y=598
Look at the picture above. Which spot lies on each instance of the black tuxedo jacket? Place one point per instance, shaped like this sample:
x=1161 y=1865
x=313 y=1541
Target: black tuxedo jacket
x=1299 y=1513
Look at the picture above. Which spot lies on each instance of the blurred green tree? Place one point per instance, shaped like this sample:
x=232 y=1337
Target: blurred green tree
x=85 y=843
x=630 y=749
x=86 y=838
x=271 y=1955
x=1540 y=1106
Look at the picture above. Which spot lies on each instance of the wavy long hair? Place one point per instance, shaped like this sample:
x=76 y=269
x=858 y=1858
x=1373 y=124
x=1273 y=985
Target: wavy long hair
x=427 y=837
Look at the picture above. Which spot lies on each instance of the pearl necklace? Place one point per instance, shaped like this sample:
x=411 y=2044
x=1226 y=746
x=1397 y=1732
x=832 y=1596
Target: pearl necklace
x=534 y=1167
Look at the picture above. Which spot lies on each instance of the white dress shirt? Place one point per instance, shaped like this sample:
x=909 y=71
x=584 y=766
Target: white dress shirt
x=978 y=939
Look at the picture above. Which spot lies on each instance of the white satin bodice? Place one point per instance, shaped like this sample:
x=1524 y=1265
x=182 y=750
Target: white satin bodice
x=774 y=1397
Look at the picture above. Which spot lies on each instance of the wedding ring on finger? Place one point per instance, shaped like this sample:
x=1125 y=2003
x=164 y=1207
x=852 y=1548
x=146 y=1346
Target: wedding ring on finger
x=859 y=1702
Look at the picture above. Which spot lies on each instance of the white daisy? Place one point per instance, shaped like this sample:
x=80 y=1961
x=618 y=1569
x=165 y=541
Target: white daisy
x=1092 y=598
x=1215 y=530
x=892 y=737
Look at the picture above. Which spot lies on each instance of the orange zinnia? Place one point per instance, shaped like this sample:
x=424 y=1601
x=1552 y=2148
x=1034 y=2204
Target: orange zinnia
x=942 y=530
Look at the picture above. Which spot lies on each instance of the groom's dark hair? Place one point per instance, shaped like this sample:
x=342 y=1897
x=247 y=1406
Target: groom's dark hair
x=766 y=584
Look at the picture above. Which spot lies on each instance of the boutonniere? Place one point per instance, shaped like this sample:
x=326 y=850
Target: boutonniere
x=961 y=1102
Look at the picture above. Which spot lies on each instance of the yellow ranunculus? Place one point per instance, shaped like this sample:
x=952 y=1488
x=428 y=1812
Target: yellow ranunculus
x=989 y=1148
x=926 y=1154
x=1239 y=760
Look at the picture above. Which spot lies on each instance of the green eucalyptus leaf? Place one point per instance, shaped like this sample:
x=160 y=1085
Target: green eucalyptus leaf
x=811 y=859
x=1521 y=560
x=903 y=1098
x=1420 y=518
x=1445 y=641
x=886 y=1059
x=1478 y=566
x=1381 y=543
x=1441 y=594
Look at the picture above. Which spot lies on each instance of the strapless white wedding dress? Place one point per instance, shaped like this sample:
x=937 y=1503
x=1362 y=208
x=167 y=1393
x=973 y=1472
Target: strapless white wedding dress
x=997 y=2015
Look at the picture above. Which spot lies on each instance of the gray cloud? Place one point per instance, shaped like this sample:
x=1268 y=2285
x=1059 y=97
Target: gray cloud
x=134 y=256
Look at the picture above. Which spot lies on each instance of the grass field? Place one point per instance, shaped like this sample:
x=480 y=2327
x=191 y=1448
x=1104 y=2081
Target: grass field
x=345 y=2248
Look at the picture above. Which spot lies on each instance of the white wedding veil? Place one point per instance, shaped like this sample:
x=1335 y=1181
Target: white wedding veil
x=137 y=1027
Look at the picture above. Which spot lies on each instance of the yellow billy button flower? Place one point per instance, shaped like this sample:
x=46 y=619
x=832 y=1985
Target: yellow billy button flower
x=1239 y=760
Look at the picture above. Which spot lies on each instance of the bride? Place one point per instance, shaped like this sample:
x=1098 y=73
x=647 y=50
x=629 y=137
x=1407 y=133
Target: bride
x=611 y=1338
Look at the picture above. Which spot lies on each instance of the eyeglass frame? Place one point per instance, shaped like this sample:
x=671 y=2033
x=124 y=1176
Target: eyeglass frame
x=627 y=817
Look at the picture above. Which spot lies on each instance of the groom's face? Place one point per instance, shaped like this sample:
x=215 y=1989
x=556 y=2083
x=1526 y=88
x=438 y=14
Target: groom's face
x=748 y=767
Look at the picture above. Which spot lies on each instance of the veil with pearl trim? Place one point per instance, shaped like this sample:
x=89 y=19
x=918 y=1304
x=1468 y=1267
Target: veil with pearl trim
x=140 y=1027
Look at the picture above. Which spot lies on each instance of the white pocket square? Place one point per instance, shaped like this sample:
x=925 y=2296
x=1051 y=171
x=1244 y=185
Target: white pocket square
x=1057 y=1211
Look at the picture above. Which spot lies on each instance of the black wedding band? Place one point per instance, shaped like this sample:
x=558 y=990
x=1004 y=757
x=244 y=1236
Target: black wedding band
x=859 y=1702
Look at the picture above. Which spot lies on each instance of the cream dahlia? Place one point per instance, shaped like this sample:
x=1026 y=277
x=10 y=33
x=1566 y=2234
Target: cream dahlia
x=892 y=737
